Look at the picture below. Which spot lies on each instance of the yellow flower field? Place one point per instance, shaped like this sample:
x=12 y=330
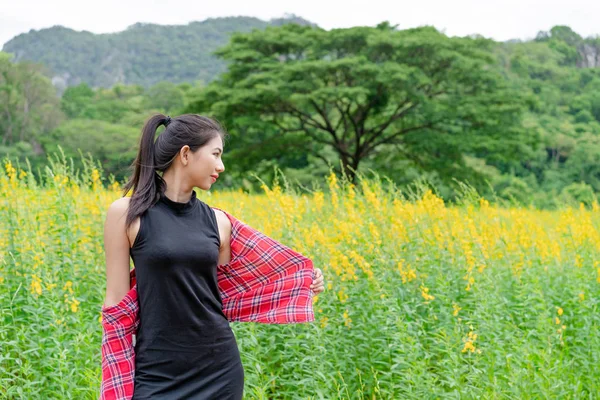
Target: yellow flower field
x=423 y=300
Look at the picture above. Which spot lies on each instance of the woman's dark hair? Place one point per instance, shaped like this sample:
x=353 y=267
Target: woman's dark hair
x=157 y=156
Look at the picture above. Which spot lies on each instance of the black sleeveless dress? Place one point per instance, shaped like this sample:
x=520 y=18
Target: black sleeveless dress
x=185 y=348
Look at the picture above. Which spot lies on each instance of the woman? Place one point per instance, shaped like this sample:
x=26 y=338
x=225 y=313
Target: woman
x=187 y=285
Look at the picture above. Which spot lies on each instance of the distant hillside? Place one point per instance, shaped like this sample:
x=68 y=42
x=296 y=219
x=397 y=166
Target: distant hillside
x=143 y=54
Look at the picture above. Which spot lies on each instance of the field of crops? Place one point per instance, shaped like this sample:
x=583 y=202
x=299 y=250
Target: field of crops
x=423 y=300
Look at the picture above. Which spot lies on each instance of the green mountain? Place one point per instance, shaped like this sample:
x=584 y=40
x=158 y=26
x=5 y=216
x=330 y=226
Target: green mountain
x=142 y=54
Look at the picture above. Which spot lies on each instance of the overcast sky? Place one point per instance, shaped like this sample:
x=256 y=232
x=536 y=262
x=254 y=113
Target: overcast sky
x=497 y=19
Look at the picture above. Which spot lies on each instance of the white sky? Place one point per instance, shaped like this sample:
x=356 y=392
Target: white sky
x=497 y=19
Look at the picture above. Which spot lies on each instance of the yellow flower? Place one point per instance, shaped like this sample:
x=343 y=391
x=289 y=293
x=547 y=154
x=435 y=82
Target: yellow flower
x=342 y=296
x=68 y=286
x=74 y=305
x=468 y=347
x=425 y=294
x=324 y=322
x=407 y=273
x=470 y=342
x=36 y=285
x=347 y=319
x=560 y=311
x=456 y=309
x=95 y=175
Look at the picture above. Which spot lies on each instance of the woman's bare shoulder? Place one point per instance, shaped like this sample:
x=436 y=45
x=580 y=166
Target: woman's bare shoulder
x=119 y=206
x=222 y=219
x=117 y=216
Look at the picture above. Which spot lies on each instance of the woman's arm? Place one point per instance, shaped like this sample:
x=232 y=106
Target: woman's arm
x=120 y=311
x=225 y=235
x=116 y=248
x=318 y=284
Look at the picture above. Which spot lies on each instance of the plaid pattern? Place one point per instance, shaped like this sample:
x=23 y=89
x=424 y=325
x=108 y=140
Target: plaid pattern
x=264 y=282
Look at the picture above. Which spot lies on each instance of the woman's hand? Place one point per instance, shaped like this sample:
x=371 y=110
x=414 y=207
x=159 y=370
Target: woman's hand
x=318 y=284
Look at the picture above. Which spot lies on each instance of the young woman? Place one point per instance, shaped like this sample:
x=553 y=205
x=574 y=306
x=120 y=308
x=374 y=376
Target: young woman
x=184 y=345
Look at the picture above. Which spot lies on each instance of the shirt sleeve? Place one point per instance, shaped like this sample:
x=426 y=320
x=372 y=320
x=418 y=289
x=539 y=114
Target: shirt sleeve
x=119 y=324
x=265 y=281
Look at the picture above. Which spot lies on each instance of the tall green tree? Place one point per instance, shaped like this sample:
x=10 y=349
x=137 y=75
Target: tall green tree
x=110 y=105
x=355 y=90
x=76 y=101
x=113 y=145
x=164 y=96
x=28 y=102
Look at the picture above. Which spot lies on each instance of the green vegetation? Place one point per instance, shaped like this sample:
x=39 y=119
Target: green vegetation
x=517 y=120
x=423 y=300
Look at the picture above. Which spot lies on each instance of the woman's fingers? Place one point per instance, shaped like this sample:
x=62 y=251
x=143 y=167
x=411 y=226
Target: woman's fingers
x=318 y=282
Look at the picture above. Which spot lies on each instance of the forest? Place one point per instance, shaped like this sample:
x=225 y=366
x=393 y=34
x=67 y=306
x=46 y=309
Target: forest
x=517 y=121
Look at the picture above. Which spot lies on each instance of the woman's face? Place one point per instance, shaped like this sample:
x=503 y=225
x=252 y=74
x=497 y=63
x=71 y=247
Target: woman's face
x=206 y=163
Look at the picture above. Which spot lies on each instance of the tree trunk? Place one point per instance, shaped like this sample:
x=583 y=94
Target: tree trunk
x=349 y=167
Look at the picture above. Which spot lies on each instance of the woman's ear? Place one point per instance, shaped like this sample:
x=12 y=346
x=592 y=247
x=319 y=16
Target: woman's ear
x=184 y=152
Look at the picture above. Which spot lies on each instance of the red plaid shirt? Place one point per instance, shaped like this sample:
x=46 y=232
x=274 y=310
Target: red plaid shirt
x=265 y=282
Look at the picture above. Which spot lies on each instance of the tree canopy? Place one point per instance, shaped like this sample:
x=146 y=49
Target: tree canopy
x=354 y=90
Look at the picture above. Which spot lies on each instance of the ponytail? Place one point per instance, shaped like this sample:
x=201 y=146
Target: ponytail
x=145 y=181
